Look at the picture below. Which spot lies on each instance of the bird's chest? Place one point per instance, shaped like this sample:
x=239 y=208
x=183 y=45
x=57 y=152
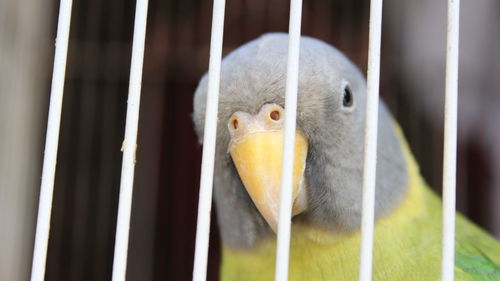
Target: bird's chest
x=314 y=255
x=405 y=248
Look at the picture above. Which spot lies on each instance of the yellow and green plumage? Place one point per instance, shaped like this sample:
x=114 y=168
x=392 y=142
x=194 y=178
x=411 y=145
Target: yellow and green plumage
x=407 y=245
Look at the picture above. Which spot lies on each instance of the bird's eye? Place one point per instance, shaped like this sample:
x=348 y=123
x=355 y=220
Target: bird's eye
x=347 y=102
x=235 y=123
x=275 y=115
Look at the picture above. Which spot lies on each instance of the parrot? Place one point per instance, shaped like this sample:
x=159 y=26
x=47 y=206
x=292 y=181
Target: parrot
x=327 y=175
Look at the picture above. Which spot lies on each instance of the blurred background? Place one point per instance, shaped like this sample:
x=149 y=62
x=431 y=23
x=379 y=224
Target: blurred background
x=168 y=157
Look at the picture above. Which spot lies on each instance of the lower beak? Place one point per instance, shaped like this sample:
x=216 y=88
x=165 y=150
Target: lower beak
x=258 y=159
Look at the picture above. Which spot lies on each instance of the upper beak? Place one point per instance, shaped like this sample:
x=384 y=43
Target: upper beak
x=256 y=148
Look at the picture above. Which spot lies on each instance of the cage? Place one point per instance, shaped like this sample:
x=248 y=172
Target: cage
x=163 y=221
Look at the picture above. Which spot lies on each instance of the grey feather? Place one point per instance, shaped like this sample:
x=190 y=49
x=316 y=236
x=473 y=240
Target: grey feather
x=255 y=74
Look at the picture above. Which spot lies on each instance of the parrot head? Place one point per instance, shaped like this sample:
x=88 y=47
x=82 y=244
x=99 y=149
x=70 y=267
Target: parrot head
x=328 y=162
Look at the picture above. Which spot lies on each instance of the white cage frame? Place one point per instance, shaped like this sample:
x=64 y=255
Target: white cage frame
x=205 y=200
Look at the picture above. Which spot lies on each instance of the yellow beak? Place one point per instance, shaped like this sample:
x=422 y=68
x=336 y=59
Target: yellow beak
x=257 y=155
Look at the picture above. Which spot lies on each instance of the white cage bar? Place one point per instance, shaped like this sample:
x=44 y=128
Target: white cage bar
x=51 y=143
x=450 y=142
x=129 y=145
x=370 y=145
x=209 y=138
x=292 y=82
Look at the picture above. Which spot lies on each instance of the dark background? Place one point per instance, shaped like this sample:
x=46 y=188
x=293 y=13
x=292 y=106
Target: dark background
x=168 y=157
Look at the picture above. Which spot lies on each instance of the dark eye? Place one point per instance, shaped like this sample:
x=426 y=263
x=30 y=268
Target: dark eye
x=347 y=102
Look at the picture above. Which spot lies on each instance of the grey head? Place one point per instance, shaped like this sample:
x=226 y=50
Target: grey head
x=330 y=114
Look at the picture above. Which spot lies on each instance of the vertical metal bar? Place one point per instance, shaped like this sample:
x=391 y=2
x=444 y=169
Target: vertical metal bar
x=370 y=146
x=292 y=81
x=51 y=143
x=209 y=138
x=450 y=142
x=129 y=145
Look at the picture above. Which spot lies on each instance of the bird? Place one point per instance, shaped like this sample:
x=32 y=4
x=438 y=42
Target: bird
x=327 y=175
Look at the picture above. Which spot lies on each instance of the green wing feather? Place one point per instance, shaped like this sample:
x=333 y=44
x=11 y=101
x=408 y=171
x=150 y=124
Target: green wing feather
x=477 y=255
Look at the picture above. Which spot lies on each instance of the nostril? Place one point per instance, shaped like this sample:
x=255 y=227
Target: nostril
x=275 y=115
x=235 y=123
